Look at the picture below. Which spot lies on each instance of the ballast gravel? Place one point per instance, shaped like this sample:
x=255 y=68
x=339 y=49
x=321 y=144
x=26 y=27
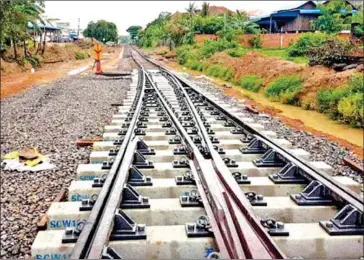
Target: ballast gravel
x=320 y=148
x=50 y=117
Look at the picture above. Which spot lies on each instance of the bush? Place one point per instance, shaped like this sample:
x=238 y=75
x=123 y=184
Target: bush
x=80 y=55
x=351 y=109
x=343 y=103
x=329 y=53
x=284 y=89
x=194 y=65
x=328 y=99
x=220 y=71
x=356 y=83
x=256 y=42
x=236 y=52
x=34 y=61
x=251 y=82
x=210 y=47
x=184 y=53
x=306 y=42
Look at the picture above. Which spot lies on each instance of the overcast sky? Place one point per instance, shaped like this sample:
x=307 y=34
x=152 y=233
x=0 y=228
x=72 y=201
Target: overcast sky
x=126 y=13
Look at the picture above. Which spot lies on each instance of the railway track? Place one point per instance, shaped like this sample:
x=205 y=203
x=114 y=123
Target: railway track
x=181 y=174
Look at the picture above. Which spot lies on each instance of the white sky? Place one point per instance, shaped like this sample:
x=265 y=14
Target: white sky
x=126 y=13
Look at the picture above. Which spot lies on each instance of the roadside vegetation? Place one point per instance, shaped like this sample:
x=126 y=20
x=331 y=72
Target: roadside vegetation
x=284 y=89
x=346 y=103
x=102 y=30
x=172 y=36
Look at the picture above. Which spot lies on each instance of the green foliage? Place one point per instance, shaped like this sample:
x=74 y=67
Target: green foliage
x=208 y=24
x=14 y=19
x=284 y=89
x=328 y=99
x=344 y=104
x=256 y=42
x=102 y=30
x=306 y=42
x=194 y=65
x=356 y=83
x=181 y=27
x=220 y=71
x=133 y=31
x=230 y=34
x=332 y=18
x=184 y=53
x=332 y=51
x=80 y=55
x=283 y=54
x=358 y=21
x=236 y=52
x=210 y=47
x=251 y=82
x=34 y=61
x=351 y=109
x=205 y=9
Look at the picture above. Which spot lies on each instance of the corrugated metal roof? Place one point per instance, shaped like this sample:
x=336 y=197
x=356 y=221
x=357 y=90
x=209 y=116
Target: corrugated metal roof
x=41 y=26
x=310 y=11
x=286 y=14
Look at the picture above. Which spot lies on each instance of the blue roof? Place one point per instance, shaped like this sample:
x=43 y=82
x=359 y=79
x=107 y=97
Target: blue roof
x=310 y=11
x=285 y=14
x=41 y=26
x=293 y=13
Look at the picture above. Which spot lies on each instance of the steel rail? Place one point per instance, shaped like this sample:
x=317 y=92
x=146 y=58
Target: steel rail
x=339 y=192
x=88 y=234
x=261 y=245
x=107 y=220
x=213 y=207
x=222 y=222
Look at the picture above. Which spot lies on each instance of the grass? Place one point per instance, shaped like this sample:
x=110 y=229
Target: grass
x=284 y=89
x=251 y=82
x=282 y=53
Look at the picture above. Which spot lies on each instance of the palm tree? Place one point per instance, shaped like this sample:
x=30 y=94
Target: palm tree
x=19 y=15
x=191 y=9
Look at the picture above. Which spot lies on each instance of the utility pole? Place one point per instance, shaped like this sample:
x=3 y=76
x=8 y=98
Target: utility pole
x=78 y=28
x=270 y=24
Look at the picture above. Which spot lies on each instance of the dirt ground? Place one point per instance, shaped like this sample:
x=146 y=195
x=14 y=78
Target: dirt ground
x=20 y=80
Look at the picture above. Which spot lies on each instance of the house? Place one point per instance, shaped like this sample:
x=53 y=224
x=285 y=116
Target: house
x=45 y=29
x=298 y=19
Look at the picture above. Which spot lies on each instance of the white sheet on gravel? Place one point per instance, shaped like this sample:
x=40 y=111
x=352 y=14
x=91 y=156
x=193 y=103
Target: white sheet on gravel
x=15 y=165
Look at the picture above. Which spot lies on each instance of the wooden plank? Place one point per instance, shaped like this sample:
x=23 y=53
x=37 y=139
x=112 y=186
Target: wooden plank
x=251 y=109
x=88 y=142
x=355 y=166
x=42 y=224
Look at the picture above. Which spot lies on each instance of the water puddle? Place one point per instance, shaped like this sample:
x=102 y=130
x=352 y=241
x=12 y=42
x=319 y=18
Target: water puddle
x=310 y=118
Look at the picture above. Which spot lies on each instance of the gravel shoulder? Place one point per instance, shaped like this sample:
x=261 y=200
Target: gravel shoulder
x=50 y=117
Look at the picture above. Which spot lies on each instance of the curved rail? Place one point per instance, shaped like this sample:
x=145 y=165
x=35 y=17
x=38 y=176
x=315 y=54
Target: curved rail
x=340 y=192
x=253 y=240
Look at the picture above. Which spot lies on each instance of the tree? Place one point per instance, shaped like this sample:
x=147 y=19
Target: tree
x=15 y=16
x=189 y=36
x=133 y=31
x=332 y=18
x=205 y=9
x=102 y=30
